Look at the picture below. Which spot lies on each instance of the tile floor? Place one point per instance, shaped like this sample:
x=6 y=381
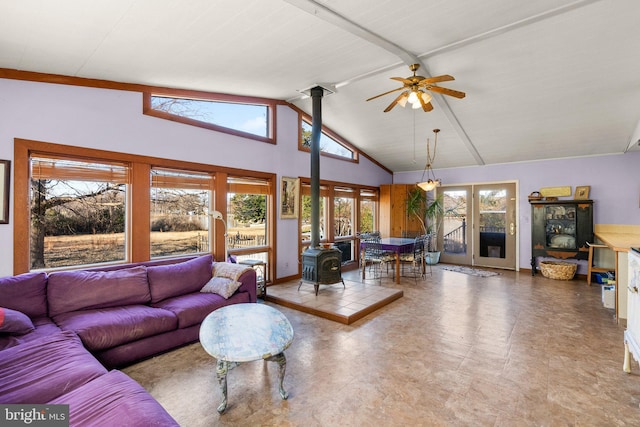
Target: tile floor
x=455 y=350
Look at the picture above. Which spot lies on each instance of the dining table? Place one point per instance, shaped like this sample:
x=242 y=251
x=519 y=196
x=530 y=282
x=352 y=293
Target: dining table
x=397 y=245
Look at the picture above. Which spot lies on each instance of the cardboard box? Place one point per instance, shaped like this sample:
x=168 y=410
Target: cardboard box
x=609 y=296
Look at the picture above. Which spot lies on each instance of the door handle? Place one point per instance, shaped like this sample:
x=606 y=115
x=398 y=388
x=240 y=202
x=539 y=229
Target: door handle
x=512 y=229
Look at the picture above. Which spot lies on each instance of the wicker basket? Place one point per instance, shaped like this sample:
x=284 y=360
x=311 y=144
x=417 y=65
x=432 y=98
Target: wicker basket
x=535 y=196
x=558 y=270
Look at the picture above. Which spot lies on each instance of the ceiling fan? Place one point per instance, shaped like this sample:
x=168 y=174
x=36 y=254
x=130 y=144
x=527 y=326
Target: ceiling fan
x=416 y=90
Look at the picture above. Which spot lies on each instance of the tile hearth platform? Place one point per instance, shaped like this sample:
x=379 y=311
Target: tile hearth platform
x=334 y=302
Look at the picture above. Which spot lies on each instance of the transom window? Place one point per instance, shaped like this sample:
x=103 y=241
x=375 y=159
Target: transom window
x=328 y=144
x=237 y=115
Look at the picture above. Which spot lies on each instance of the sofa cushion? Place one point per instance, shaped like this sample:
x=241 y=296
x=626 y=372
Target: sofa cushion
x=80 y=290
x=221 y=286
x=14 y=322
x=191 y=309
x=44 y=328
x=166 y=281
x=114 y=399
x=41 y=370
x=26 y=293
x=108 y=327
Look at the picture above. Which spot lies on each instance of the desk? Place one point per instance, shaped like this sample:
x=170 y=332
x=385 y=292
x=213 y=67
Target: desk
x=619 y=238
x=398 y=245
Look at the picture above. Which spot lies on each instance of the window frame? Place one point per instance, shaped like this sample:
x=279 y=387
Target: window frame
x=138 y=226
x=165 y=178
x=213 y=97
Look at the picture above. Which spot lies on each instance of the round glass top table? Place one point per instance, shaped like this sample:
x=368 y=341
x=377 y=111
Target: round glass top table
x=244 y=333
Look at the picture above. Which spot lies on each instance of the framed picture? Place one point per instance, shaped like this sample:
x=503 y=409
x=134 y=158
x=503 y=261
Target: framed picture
x=5 y=176
x=289 y=197
x=582 y=193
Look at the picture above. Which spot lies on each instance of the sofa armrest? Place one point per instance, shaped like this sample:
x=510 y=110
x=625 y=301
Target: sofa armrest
x=249 y=284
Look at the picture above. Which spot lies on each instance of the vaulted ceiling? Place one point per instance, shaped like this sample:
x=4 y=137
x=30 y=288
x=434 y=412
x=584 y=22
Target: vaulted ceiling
x=543 y=79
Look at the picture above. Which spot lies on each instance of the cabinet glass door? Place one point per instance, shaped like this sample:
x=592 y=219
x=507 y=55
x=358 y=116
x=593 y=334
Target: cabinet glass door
x=560 y=226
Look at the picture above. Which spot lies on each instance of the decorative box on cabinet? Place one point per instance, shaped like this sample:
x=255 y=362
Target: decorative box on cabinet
x=561 y=229
x=394 y=220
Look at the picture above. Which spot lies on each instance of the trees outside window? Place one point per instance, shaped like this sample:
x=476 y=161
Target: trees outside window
x=77 y=212
x=248 y=216
x=180 y=202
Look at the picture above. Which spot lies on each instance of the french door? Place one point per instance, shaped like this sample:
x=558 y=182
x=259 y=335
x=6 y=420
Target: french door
x=479 y=227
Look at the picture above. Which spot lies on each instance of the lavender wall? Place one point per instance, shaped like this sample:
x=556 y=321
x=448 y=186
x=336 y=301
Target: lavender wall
x=614 y=181
x=113 y=120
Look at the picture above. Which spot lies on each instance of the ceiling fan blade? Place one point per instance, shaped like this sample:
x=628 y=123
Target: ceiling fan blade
x=396 y=101
x=386 y=93
x=445 y=91
x=437 y=79
x=403 y=80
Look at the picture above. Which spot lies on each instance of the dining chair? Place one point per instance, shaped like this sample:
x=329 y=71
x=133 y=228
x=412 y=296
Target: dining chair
x=416 y=257
x=376 y=257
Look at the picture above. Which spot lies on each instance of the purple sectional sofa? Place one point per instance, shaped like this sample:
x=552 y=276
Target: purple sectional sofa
x=61 y=332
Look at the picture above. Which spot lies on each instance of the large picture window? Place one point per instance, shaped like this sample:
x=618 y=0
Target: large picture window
x=180 y=203
x=247 y=213
x=77 y=212
x=84 y=207
x=346 y=209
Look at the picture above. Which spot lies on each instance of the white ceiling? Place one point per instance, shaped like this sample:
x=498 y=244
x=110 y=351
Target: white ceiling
x=544 y=78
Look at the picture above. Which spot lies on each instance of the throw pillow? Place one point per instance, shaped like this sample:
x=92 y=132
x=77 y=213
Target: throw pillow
x=222 y=286
x=15 y=322
x=228 y=270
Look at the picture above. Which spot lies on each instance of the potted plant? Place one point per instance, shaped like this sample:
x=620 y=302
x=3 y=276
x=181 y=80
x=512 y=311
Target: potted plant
x=416 y=204
x=434 y=216
x=430 y=213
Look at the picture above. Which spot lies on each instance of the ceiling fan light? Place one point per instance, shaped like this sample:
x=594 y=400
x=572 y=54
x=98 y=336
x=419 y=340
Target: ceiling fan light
x=413 y=98
x=426 y=97
x=403 y=101
x=416 y=105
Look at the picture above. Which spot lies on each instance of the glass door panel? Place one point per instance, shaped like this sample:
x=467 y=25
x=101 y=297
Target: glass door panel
x=495 y=235
x=455 y=234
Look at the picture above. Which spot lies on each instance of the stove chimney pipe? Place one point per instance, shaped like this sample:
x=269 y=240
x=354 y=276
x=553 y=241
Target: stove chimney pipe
x=316 y=131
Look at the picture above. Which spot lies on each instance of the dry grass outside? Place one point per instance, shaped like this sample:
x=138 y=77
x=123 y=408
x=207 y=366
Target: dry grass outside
x=64 y=251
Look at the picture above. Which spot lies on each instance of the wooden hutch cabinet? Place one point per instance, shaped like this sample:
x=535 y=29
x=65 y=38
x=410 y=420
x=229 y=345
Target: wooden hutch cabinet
x=394 y=220
x=561 y=229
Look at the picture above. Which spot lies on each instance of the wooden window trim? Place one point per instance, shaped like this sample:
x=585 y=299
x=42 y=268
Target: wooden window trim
x=214 y=97
x=139 y=249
